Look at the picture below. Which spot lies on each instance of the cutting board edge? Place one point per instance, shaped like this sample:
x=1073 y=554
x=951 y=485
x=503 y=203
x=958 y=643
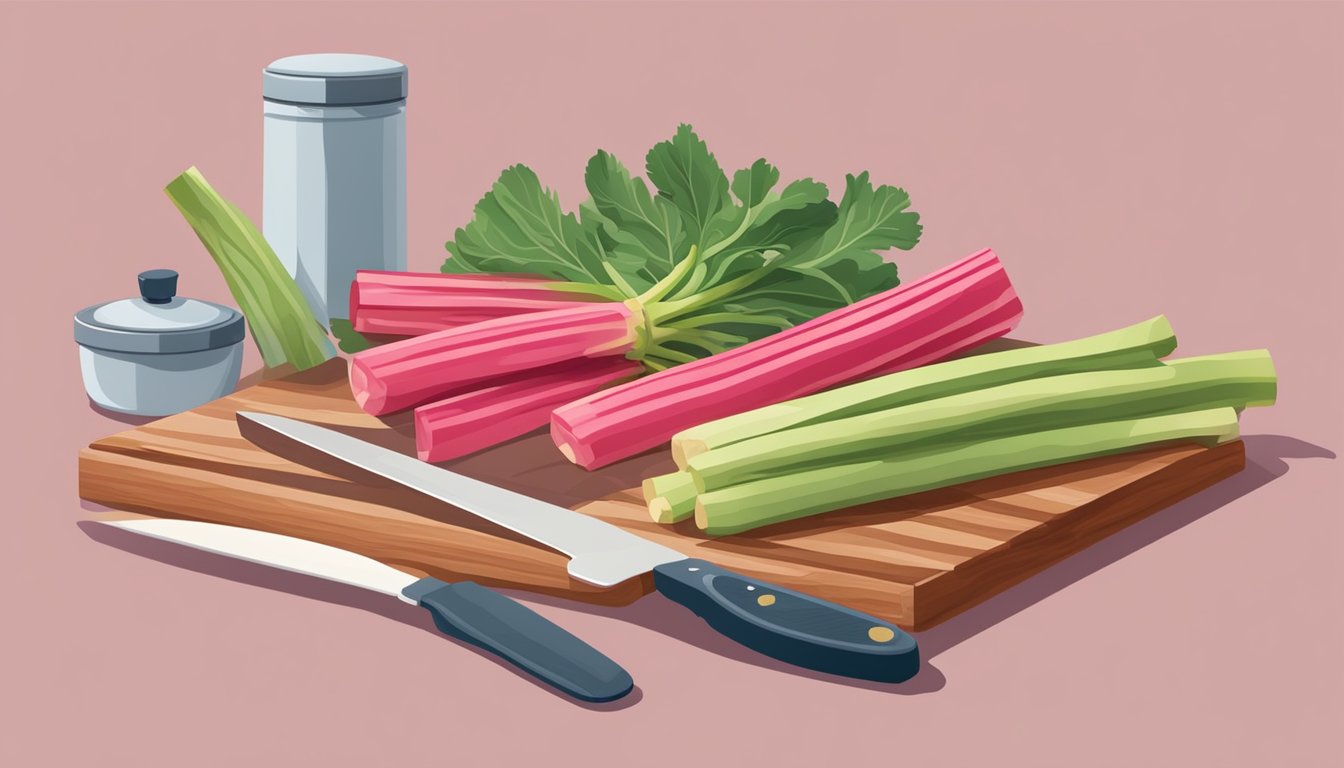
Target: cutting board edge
x=1072 y=534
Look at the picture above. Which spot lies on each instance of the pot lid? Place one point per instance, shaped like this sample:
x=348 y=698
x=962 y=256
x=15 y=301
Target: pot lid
x=158 y=321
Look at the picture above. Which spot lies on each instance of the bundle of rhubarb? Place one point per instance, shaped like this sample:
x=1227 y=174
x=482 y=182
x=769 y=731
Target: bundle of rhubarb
x=953 y=422
x=733 y=295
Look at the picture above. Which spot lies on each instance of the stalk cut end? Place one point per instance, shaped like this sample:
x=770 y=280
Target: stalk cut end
x=369 y=393
x=424 y=443
x=701 y=519
x=661 y=510
x=683 y=450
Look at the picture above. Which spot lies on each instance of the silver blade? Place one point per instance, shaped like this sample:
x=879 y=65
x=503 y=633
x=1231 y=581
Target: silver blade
x=600 y=553
x=277 y=551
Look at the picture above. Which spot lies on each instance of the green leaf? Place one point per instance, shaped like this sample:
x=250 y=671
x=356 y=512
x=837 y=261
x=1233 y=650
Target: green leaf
x=348 y=339
x=751 y=185
x=686 y=174
x=519 y=227
x=739 y=238
x=868 y=220
x=642 y=235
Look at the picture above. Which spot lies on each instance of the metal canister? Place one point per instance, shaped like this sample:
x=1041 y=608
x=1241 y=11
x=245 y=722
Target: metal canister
x=334 y=198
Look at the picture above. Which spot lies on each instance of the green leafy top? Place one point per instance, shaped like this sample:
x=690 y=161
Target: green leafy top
x=715 y=264
x=519 y=227
x=688 y=175
x=643 y=235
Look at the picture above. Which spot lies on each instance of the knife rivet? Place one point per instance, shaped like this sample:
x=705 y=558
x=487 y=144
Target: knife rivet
x=881 y=634
x=751 y=588
x=765 y=600
x=692 y=570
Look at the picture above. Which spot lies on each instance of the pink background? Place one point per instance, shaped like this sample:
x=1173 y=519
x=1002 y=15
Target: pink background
x=1124 y=160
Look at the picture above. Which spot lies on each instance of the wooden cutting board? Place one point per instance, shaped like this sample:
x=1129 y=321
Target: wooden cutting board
x=915 y=561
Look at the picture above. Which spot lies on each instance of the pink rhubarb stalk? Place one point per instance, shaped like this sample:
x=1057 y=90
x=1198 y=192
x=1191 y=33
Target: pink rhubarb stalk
x=935 y=317
x=414 y=303
x=503 y=410
x=417 y=370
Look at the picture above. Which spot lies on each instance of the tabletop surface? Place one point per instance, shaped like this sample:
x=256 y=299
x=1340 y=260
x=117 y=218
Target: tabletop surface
x=1124 y=160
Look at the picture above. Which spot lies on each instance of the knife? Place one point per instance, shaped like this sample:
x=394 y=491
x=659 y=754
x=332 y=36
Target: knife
x=463 y=610
x=781 y=623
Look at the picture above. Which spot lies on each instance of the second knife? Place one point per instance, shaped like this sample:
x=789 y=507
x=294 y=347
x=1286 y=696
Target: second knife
x=463 y=610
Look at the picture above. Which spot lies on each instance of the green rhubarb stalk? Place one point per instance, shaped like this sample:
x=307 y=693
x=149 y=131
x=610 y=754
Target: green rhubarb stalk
x=1132 y=347
x=282 y=325
x=1234 y=380
x=751 y=505
x=670 y=497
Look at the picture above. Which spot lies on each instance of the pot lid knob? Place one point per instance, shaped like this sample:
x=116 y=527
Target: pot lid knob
x=158 y=286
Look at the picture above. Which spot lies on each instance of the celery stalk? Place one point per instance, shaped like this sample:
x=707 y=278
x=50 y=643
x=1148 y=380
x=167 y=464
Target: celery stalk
x=1234 y=380
x=282 y=325
x=1137 y=345
x=671 y=497
x=751 y=505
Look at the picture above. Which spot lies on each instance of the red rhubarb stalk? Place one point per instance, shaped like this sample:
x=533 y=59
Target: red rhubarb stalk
x=415 y=303
x=496 y=412
x=417 y=370
x=937 y=316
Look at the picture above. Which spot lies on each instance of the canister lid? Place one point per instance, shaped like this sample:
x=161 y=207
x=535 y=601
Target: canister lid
x=334 y=79
x=158 y=321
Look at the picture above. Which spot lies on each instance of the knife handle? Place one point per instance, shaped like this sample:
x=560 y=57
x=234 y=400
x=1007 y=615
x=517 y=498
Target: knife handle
x=487 y=619
x=790 y=626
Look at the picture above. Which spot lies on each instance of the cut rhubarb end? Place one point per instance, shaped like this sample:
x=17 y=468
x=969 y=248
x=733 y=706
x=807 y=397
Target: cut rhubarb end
x=424 y=443
x=369 y=395
x=701 y=519
x=354 y=304
x=685 y=450
x=568 y=453
x=660 y=510
x=571 y=449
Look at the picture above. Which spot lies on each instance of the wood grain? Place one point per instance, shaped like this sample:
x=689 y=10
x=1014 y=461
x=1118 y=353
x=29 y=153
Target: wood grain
x=916 y=560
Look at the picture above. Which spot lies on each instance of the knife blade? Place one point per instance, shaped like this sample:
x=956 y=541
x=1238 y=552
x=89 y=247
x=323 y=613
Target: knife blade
x=781 y=623
x=463 y=610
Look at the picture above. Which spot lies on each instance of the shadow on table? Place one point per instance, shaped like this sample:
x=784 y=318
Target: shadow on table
x=1266 y=460
x=124 y=418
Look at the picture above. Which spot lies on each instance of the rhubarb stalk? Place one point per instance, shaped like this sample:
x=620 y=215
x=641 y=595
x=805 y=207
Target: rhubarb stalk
x=1138 y=345
x=413 y=371
x=956 y=308
x=280 y=320
x=503 y=410
x=411 y=304
x=787 y=497
x=1237 y=380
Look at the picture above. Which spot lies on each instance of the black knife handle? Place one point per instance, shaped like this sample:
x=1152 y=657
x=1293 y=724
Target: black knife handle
x=487 y=619
x=790 y=626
